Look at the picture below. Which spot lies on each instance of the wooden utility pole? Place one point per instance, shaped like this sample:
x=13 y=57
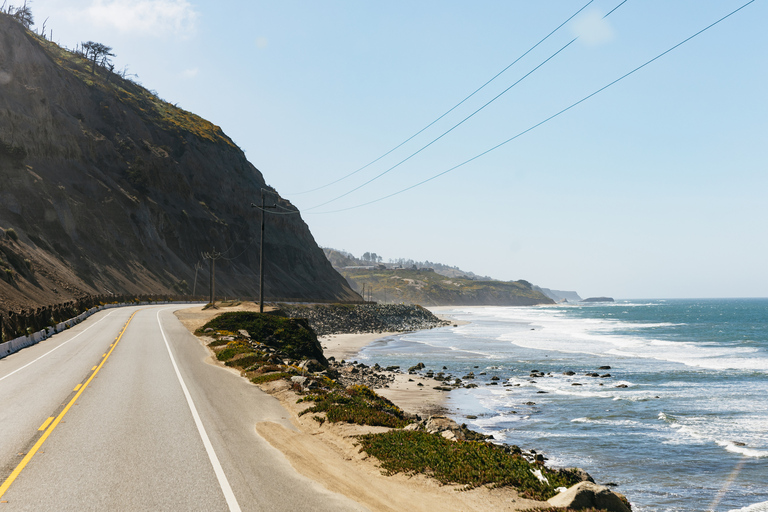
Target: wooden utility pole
x=261 y=250
x=198 y=266
x=212 y=256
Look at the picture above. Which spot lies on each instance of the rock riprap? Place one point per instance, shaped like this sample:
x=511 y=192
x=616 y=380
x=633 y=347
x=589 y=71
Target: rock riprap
x=328 y=319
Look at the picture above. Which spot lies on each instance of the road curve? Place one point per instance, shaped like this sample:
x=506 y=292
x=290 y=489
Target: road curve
x=106 y=416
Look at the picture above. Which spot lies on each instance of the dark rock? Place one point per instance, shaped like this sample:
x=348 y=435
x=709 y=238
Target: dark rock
x=569 y=373
x=604 y=368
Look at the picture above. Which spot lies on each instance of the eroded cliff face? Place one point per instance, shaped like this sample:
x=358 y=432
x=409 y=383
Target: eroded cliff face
x=106 y=188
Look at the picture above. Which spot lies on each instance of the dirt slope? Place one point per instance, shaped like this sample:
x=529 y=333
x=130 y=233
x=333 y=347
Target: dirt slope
x=107 y=188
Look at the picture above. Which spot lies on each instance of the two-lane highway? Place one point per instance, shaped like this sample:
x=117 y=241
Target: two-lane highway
x=140 y=422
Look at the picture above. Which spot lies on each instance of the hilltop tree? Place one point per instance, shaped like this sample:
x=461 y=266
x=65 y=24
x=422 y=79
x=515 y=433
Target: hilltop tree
x=21 y=14
x=98 y=53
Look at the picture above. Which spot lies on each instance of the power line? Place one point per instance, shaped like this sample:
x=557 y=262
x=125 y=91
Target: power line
x=457 y=124
x=457 y=105
x=544 y=121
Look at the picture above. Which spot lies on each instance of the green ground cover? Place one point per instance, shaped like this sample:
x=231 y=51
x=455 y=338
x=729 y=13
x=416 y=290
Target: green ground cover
x=468 y=463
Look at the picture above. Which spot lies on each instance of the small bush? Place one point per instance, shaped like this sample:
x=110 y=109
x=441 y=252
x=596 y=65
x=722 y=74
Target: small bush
x=269 y=377
x=359 y=405
x=11 y=233
x=246 y=361
x=233 y=348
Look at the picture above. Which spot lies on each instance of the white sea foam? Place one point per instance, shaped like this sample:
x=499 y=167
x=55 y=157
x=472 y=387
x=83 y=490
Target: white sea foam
x=554 y=331
x=743 y=450
x=757 y=507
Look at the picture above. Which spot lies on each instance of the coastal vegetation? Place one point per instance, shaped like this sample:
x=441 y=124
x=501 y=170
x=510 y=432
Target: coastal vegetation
x=293 y=336
x=356 y=404
x=267 y=347
x=469 y=463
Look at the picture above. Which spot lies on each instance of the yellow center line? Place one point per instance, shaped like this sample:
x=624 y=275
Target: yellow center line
x=93 y=368
x=45 y=425
x=54 y=424
x=78 y=387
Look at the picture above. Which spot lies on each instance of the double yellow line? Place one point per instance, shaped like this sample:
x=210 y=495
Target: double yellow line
x=51 y=423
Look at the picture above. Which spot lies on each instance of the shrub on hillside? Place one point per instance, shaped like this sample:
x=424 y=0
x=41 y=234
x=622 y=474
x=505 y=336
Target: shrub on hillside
x=293 y=336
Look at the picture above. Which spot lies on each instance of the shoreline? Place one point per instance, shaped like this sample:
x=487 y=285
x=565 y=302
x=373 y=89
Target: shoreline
x=414 y=394
x=329 y=454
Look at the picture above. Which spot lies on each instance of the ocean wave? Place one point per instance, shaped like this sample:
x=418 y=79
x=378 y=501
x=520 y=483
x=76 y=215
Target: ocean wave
x=705 y=431
x=757 y=507
x=743 y=450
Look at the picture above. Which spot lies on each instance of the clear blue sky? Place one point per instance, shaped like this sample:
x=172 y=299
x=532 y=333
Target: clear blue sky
x=656 y=187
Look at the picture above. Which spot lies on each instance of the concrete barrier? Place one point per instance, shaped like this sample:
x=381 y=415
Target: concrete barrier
x=16 y=344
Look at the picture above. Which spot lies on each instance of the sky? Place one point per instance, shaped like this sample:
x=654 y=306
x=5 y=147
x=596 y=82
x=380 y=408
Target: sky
x=655 y=187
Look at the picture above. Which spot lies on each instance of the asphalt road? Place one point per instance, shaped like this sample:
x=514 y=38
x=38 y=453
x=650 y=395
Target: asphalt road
x=109 y=417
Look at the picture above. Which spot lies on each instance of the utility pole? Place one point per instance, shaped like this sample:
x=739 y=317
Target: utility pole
x=198 y=266
x=212 y=256
x=261 y=250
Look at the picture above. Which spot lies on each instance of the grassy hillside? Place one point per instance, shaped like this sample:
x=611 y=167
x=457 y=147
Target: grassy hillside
x=428 y=288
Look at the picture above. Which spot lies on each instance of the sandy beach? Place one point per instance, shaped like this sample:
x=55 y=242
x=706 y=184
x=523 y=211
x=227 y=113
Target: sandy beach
x=328 y=453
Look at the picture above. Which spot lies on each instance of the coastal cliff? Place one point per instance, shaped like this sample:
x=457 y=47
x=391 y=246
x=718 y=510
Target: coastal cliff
x=105 y=188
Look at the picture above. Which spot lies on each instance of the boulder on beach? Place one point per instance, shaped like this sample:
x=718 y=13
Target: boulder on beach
x=587 y=494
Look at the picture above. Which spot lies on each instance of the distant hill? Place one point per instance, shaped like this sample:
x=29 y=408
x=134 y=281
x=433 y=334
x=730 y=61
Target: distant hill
x=439 y=285
x=428 y=288
x=341 y=259
x=559 y=295
x=105 y=188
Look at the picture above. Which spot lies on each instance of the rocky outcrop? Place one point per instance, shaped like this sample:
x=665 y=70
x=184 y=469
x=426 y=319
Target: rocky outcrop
x=589 y=495
x=105 y=188
x=361 y=318
x=598 y=299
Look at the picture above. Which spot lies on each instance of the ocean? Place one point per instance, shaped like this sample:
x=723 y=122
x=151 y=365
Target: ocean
x=666 y=400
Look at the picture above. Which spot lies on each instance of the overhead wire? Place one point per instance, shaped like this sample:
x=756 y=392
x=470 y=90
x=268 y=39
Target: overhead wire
x=582 y=100
x=457 y=105
x=457 y=124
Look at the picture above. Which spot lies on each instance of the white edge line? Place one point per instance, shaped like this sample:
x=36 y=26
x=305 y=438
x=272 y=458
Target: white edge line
x=223 y=482
x=42 y=356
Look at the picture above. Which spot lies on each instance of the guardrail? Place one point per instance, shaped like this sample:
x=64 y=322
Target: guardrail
x=9 y=347
x=23 y=328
